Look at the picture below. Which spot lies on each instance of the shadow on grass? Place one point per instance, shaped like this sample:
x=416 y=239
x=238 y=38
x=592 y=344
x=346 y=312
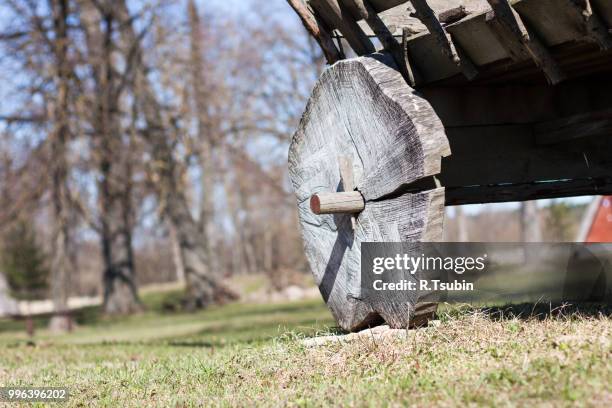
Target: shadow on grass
x=537 y=311
x=246 y=333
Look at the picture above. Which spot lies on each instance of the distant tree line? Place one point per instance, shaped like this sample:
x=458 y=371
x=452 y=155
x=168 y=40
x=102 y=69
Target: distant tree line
x=130 y=122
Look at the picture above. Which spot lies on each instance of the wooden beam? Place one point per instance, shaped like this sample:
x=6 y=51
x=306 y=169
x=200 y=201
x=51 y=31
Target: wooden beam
x=513 y=142
x=520 y=40
x=318 y=31
x=559 y=31
x=443 y=39
x=336 y=15
x=527 y=191
x=386 y=38
x=592 y=23
x=411 y=72
x=510 y=154
x=574 y=127
x=383 y=5
x=505 y=163
x=508 y=37
x=526 y=103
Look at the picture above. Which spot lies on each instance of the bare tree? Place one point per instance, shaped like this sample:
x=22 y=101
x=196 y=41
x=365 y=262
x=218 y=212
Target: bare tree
x=205 y=133
x=121 y=111
x=35 y=41
x=530 y=222
x=203 y=286
x=60 y=263
x=462 y=228
x=112 y=147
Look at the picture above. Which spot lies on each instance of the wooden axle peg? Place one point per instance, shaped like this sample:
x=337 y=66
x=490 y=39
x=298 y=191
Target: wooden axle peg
x=344 y=202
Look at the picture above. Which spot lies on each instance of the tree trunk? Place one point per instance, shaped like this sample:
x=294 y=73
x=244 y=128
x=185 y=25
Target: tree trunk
x=115 y=190
x=204 y=128
x=203 y=287
x=177 y=257
x=246 y=229
x=462 y=228
x=363 y=113
x=239 y=264
x=530 y=222
x=530 y=229
x=268 y=246
x=120 y=293
x=59 y=173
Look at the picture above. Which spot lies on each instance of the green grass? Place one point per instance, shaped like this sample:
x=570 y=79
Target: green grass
x=241 y=355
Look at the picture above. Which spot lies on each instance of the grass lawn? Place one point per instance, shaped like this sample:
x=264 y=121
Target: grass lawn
x=240 y=355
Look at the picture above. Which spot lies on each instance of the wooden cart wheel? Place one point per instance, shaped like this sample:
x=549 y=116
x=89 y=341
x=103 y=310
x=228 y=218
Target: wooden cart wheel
x=361 y=163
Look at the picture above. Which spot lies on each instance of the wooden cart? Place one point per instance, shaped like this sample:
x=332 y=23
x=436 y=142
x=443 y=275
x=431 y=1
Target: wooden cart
x=493 y=101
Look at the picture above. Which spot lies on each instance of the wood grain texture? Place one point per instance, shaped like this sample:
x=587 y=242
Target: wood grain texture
x=499 y=193
x=401 y=16
x=336 y=15
x=521 y=164
x=515 y=34
x=363 y=109
x=381 y=31
x=443 y=39
x=591 y=22
x=318 y=31
x=554 y=22
x=598 y=123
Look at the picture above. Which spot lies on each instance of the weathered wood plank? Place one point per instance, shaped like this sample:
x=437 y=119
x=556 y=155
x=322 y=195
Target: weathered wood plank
x=336 y=15
x=551 y=20
x=509 y=161
x=402 y=16
x=592 y=24
x=566 y=20
x=604 y=11
x=554 y=20
x=382 y=5
x=390 y=43
x=429 y=60
x=523 y=103
x=510 y=154
x=527 y=191
x=438 y=6
x=521 y=40
x=395 y=141
x=478 y=40
x=317 y=30
x=443 y=40
x=597 y=123
x=412 y=76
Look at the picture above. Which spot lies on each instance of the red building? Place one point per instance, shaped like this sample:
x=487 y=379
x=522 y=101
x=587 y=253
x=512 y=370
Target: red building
x=597 y=226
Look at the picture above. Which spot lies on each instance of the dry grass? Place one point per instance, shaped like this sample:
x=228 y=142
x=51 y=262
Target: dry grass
x=472 y=357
